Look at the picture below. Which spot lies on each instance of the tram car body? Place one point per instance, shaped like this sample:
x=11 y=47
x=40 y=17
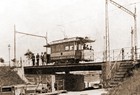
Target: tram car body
x=71 y=50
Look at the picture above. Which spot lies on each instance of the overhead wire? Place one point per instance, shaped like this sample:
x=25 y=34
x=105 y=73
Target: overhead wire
x=91 y=17
x=127 y=5
x=85 y=18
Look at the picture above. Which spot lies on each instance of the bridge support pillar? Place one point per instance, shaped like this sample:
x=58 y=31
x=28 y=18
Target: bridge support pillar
x=67 y=72
x=106 y=74
x=53 y=82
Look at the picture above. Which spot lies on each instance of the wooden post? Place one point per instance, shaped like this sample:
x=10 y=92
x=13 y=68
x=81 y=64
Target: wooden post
x=14 y=45
x=106 y=65
x=53 y=82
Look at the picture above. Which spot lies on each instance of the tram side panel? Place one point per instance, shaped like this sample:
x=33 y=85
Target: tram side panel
x=87 y=55
x=62 y=52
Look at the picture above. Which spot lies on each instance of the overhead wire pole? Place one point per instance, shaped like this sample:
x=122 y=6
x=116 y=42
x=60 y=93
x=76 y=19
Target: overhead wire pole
x=135 y=34
x=45 y=37
x=132 y=44
x=46 y=47
x=14 y=45
x=9 y=54
x=106 y=66
x=135 y=26
x=31 y=34
x=106 y=30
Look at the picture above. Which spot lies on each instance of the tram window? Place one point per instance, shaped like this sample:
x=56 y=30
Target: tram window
x=71 y=45
x=71 y=48
x=53 y=49
x=75 y=46
x=80 y=47
x=7 y=89
x=66 y=47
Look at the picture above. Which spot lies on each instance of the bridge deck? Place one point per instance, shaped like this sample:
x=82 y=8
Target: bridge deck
x=51 y=69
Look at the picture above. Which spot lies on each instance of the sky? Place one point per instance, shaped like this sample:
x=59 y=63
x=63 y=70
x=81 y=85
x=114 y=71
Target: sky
x=63 y=17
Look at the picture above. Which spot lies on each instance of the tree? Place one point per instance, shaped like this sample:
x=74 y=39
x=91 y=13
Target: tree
x=2 y=60
x=13 y=60
x=28 y=54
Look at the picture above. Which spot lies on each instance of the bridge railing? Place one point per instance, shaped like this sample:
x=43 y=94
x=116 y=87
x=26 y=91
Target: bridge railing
x=114 y=67
x=138 y=53
x=99 y=56
x=126 y=54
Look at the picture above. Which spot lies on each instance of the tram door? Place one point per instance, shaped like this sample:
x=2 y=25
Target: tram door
x=60 y=84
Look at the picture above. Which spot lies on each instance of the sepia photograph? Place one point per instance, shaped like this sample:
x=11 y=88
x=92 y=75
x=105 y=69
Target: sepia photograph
x=69 y=47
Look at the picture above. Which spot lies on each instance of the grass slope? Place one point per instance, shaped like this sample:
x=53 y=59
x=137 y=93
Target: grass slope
x=9 y=77
x=131 y=85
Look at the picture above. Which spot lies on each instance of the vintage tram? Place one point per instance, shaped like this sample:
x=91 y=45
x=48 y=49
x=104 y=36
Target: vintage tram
x=71 y=50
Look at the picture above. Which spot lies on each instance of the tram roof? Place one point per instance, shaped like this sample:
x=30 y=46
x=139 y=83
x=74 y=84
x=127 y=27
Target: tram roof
x=73 y=39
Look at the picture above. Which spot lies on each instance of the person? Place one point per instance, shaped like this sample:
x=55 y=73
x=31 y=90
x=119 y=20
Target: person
x=122 y=53
x=37 y=59
x=44 y=90
x=90 y=47
x=45 y=57
x=33 y=59
x=55 y=86
x=42 y=58
x=87 y=47
x=84 y=46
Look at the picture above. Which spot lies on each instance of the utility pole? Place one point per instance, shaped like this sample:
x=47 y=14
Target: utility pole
x=135 y=34
x=9 y=54
x=46 y=47
x=106 y=65
x=132 y=43
x=14 y=45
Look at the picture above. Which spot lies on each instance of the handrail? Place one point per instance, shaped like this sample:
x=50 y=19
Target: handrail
x=114 y=67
